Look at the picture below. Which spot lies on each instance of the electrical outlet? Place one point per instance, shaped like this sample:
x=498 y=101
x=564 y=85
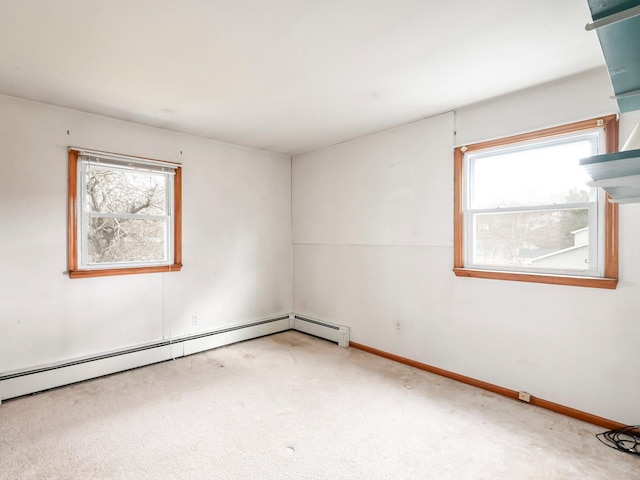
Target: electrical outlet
x=524 y=396
x=194 y=320
x=397 y=325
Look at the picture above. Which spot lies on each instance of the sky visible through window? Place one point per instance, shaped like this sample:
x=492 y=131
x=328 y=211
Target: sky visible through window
x=540 y=176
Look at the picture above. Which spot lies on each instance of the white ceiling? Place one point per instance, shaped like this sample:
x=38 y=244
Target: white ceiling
x=287 y=76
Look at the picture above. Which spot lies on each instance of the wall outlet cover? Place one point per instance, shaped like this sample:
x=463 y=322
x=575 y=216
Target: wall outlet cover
x=524 y=396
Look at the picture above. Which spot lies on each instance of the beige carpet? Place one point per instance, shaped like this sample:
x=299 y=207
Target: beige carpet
x=290 y=406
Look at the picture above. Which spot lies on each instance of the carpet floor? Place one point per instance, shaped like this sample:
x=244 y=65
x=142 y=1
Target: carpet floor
x=291 y=406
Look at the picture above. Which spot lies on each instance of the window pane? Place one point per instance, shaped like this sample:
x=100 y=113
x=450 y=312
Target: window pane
x=545 y=175
x=551 y=239
x=116 y=240
x=111 y=190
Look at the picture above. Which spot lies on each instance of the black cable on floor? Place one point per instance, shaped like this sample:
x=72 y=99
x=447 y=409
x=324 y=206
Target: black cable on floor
x=625 y=439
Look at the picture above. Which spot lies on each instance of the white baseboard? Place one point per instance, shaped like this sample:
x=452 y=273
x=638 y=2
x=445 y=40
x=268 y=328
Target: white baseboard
x=200 y=343
x=15 y=384
x=50 y=377
x=24 y=382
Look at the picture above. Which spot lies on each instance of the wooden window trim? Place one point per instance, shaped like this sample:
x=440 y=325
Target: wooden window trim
x=72 y=230
x=610 y=279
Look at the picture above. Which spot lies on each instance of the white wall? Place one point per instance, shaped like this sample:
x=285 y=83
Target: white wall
x=236 y=240
x=372 y=232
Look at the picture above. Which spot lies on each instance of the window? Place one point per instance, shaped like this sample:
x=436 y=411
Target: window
x=124 y=215
x=524 y=210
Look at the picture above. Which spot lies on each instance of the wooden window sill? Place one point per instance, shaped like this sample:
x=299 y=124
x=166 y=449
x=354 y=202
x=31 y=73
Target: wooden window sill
x=593 y=282
x=106 y=272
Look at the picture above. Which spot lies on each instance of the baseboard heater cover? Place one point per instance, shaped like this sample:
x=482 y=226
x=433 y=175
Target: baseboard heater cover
x=329 y=331
x=34 y=380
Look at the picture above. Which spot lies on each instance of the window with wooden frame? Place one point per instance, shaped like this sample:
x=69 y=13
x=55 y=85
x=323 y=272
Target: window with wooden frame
x=523 y=209
x=124 y=214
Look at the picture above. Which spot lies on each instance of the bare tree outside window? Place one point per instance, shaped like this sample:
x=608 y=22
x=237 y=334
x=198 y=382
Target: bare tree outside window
x=127 y=216
x=517 y=239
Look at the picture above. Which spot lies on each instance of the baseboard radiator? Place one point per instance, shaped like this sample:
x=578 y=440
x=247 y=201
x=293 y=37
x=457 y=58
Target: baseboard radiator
x=24 y=382
x=318 y=328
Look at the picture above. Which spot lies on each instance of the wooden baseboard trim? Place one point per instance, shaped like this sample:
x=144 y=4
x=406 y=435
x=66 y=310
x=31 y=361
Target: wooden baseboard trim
x=539 y=402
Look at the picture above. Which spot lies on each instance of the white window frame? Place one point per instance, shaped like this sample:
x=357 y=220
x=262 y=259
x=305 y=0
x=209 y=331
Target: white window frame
x=594 y=206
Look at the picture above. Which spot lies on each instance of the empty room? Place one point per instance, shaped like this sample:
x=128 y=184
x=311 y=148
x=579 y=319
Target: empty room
x=288 y=239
